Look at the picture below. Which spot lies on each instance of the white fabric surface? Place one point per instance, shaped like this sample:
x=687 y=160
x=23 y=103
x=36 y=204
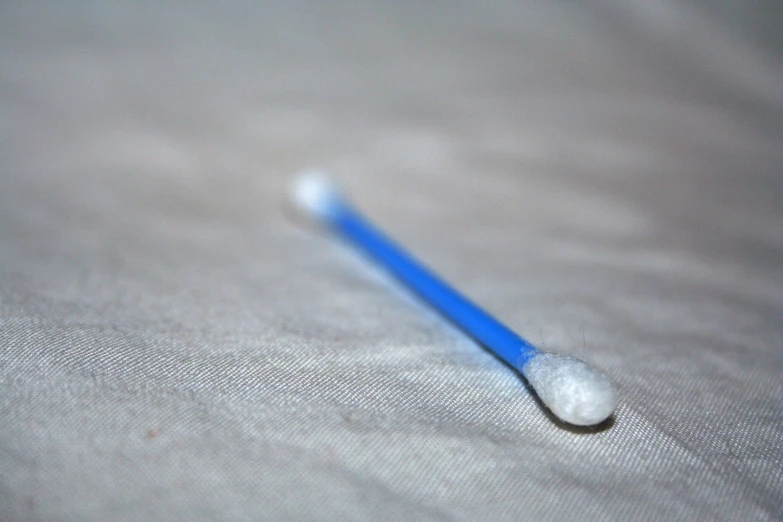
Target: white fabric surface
x=604 y=176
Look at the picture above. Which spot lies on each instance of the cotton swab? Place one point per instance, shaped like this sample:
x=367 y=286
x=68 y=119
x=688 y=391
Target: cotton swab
x=574 y=391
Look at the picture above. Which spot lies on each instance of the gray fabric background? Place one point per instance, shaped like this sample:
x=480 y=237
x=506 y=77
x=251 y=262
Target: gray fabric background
x=604 y=176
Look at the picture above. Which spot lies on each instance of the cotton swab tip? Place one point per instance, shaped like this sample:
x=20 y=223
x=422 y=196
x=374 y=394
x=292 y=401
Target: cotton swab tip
x=575 y=392
x=316 y=195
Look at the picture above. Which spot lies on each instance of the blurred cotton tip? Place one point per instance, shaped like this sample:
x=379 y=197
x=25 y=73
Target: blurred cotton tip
x=316 y=195
x=575 y=392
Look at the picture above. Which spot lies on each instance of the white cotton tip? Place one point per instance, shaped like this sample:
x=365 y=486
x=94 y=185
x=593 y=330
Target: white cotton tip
x=575 y=392
x=315 y=194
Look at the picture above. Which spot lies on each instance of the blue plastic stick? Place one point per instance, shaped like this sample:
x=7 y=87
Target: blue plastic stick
x=466 y=315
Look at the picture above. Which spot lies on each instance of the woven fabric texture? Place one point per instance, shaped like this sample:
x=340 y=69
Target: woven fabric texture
x=603 y=176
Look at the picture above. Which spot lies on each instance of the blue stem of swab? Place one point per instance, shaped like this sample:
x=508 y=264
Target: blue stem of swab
x=473 y=320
